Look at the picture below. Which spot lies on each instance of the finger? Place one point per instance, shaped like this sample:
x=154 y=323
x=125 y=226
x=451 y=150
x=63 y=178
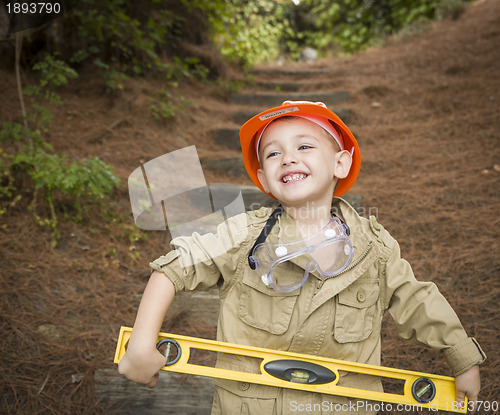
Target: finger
x=153 y=382
x=472 y=405
x=460 y=398
x=472 y=396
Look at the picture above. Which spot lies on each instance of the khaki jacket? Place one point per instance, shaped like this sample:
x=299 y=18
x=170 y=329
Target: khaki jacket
x=340 y=317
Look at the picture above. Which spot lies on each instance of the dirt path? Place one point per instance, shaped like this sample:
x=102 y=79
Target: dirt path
x=425 y=113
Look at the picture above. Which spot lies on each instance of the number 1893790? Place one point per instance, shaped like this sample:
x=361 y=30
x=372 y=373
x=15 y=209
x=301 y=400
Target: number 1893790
x=33 y=8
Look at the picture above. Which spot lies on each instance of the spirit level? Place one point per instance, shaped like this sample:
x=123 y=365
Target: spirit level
x=303 y=372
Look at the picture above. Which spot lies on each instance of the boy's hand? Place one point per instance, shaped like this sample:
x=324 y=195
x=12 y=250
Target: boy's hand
x=468 y=384
x=141 y=365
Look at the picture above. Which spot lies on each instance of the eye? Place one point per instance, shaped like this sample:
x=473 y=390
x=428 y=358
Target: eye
x=305 y=147
x=272 y=154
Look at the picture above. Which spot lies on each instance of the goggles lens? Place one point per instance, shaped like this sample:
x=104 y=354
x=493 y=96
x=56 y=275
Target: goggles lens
x=328 y=252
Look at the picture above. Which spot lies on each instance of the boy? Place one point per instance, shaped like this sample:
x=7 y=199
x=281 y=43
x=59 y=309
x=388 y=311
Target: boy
x=300 y=153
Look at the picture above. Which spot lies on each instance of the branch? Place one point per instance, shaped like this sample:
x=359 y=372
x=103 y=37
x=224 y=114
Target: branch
x=19 y=44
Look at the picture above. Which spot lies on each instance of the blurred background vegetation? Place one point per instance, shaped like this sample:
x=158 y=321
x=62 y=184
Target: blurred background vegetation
x=168 y=40
x=136 y=37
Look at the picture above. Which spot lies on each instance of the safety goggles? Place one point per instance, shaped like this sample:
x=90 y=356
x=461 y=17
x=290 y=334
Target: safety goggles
x=328 y=252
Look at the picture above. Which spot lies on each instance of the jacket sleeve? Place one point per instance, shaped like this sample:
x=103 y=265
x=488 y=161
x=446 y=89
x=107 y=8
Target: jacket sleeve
x=199 y=261
x=422 y=315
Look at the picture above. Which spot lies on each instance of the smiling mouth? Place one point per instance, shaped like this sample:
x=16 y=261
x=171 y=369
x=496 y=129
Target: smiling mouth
x=293 y=177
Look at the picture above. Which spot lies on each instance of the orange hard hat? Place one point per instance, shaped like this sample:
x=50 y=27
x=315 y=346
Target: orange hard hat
x=252 y=130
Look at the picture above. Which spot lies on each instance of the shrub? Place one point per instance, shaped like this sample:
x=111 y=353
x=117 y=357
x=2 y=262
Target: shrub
x=56 y=181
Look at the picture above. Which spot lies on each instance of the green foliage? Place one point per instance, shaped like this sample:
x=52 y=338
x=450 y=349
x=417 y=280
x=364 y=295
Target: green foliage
x=7 y=186
x=134 y=235
x=125 y=38
x=115 y=80
x=167 y=105
x=227 y=88
x=126 y=34
x=190 y=67
x=12 y=132
x=248 y=32
x=42 y=118
x=128 y=38
x=53 y=74
x=355 y=25
x=245 y=31
x=56 y=180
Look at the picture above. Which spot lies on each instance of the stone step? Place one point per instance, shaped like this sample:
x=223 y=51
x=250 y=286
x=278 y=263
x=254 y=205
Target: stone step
x=174 y=394
x=227 y=137
x=292 y=72
x=275 y=99
x=228 y=166
x=241 y=117
x=279 y=86
x=293 y=86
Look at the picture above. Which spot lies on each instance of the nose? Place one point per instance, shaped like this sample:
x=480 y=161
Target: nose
x=288 y=157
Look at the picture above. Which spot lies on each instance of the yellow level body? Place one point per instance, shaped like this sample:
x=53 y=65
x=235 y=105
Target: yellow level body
x=306 y=372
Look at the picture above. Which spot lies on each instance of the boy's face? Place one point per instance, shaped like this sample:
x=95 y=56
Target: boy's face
x=300 y=162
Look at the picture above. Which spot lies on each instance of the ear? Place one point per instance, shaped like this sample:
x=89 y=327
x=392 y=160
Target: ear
x=343 y=162
x=262 y=179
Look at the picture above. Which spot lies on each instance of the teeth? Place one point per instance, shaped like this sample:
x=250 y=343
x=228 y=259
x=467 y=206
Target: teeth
x=294 y=177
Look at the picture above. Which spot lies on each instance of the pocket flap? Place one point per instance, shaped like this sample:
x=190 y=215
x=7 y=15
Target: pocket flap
x=361 y=294
x=263 y=308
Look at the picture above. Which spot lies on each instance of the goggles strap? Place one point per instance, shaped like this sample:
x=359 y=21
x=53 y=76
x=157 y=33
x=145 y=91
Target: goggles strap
x=336 y=211
x=266 y=230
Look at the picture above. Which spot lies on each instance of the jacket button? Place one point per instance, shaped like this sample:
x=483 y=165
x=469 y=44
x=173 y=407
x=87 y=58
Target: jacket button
x=261 y=213
x=361 y=296
x=243 y=386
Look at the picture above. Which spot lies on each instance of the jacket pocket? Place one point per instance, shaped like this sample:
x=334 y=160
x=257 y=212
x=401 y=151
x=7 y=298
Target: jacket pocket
x=264 y=308
x=356 y=310
x=232 y=401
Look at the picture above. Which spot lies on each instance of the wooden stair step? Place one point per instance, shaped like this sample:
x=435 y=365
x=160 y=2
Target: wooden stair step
x=275 y=99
